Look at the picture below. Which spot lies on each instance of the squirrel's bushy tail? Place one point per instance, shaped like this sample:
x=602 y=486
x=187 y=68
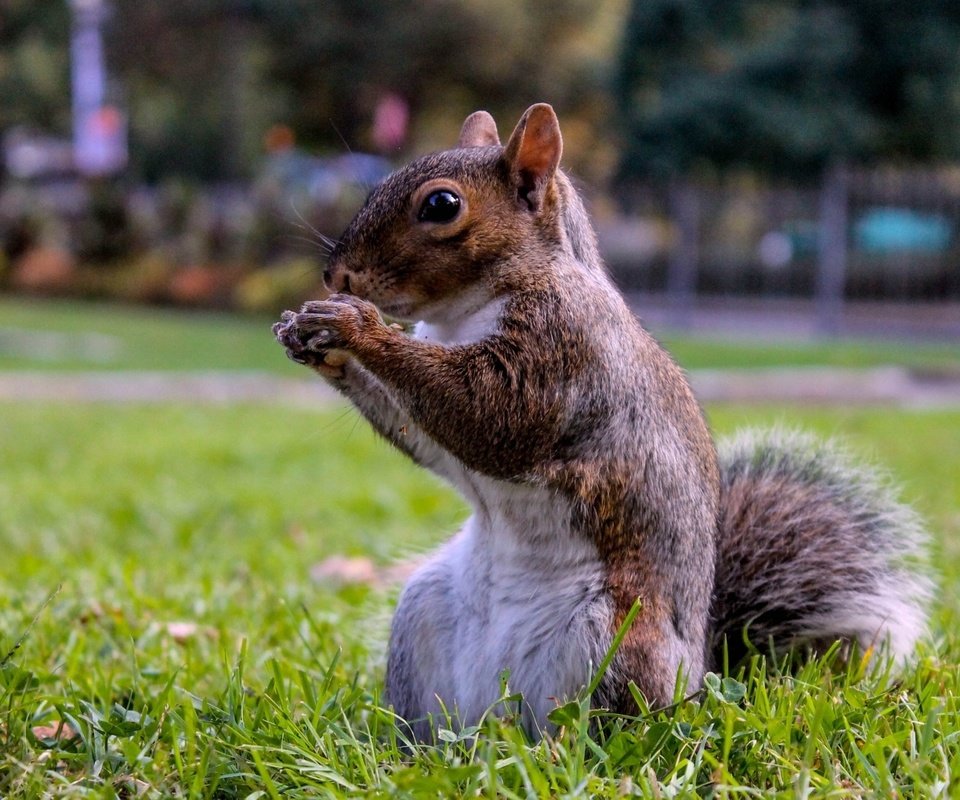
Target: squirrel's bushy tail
x=813 y=549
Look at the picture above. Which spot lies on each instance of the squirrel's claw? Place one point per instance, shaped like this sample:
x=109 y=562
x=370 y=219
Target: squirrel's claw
x=320 y=340
x=297 y=356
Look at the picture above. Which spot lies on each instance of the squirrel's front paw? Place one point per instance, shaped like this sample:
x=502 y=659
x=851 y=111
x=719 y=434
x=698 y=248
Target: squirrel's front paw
x=323 y=331
x=301 y=348
x=340 y=322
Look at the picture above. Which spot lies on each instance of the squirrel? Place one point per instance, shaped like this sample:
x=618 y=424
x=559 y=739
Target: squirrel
x=530 y=386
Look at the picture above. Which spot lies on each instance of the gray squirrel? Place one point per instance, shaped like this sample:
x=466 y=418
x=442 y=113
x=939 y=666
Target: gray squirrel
x=530 y=386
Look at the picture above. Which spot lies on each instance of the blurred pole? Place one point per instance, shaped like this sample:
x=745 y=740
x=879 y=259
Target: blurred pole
x=99 y=130
x=832 y=262
x=682 y=268
x=238 y=79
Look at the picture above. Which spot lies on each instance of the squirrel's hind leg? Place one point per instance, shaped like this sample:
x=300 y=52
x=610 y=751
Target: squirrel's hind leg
x=419 y=667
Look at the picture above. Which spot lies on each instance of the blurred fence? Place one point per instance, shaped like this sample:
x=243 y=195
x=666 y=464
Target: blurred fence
x=881 y=234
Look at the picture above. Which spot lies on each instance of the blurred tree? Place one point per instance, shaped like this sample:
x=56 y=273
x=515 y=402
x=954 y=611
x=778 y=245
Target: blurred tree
x=787 y=86
x=339 y=57
x=34 y=65
x=193 y=76
x=204 y=80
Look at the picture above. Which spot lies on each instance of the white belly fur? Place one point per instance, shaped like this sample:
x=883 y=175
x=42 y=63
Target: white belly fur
x=519 y=592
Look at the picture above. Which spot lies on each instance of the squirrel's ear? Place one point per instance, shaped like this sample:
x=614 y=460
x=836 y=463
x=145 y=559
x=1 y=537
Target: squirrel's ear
x=479 y=130
x=533 y=153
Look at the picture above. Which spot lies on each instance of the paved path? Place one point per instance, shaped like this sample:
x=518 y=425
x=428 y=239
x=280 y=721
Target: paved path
x=889 y=386
x=211 y=388
x=792 y=320
x=892 y=386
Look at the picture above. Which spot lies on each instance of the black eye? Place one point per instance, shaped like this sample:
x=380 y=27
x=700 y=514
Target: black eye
x=439 y=206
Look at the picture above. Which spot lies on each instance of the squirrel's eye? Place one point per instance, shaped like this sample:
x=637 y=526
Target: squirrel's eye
x=439 y=206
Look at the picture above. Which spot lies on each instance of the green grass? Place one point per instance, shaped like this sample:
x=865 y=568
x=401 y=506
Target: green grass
x=719 y=353
x=70 y=335
x=145 y=516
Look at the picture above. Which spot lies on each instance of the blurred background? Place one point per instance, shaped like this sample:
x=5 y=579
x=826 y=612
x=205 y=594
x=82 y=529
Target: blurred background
x=792 y=158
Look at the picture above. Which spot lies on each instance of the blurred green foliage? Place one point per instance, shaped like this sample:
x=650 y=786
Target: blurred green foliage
x=787 y=86
x=203 y=81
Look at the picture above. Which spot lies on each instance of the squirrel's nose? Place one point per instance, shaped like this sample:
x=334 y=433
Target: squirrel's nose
x=337 y=280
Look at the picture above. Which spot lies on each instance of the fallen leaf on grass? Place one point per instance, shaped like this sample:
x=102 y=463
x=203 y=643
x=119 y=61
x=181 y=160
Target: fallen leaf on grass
x=400 y=571
x=61 y=732
x=134 y=785
x=95 y=611
x=183 y=631
x=297 y=534
x=345 y=570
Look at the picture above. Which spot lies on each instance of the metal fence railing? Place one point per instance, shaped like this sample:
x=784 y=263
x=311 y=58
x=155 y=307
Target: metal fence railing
x=878 y=234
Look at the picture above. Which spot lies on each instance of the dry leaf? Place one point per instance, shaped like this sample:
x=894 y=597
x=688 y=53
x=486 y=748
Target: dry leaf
x=61 y=732
x=359 y=570
x=297 y=534
x=401 y=571
x=182 y=631
x=135 y=785
x=342 y=569
x=96 y=610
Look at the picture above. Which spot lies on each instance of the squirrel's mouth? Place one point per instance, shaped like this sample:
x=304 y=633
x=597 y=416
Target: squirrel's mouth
x=402 y=310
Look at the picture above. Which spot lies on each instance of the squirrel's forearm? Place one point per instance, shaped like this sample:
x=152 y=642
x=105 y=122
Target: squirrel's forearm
x=372 y=399
x=476 y=401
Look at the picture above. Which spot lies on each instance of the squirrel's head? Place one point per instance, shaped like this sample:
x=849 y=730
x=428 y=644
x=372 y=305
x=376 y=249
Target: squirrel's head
x=445 y=225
